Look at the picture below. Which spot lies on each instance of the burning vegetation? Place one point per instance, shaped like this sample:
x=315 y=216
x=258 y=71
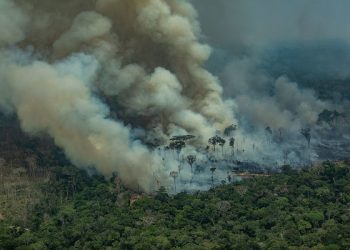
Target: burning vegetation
x=113 y=82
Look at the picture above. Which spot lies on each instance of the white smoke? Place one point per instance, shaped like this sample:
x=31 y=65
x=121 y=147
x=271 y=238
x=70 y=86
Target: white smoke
x=60 y=60
x=104 y=78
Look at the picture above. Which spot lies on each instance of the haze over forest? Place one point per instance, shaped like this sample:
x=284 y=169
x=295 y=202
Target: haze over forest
x=167 y=104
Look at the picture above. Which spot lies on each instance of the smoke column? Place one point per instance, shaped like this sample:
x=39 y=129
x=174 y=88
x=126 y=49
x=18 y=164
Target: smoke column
x=60 y=61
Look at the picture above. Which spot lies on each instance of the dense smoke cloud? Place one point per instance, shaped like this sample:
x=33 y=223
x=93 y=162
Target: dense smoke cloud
x=105 y=78
x=61 y=60
x=12 y=23
x=51 y=99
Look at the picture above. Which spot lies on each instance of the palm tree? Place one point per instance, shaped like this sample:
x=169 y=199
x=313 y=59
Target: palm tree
x=306 y=132
x=174 y=174
x=191 y=159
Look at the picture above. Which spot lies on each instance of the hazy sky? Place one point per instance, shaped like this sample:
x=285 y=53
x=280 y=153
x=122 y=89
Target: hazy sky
x=256 y=23
x=298 y=38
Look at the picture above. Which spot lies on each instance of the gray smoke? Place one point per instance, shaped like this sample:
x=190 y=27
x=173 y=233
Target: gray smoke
x=105 y=78
x=61 y=60
x=265 y=101
x=268 y=50
x=282 y=63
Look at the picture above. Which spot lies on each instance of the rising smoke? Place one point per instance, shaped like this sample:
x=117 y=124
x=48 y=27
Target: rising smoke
x=273 y=57
x=268 y=50
x=105 y=78
x=62 y=61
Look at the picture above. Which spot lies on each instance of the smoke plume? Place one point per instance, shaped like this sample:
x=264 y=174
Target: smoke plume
x=272 y=54
x=92 y=73
x=112 y=80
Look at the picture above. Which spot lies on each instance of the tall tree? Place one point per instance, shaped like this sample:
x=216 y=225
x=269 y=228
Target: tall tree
x=191 y=159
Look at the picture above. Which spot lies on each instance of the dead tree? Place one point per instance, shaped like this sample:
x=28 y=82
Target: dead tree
x=212 y=169
x=32 y=165
x=280 y=135
x=229 y=177
x=222 y=144
x=268 y=132
x=179 y=167
x=232 y=145
x=191 y=159
x=174 y=174
x=2 y=169
x=306 y=132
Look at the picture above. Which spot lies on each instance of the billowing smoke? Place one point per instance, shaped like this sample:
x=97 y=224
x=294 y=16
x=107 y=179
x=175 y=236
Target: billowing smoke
x=95 y=75
x=272 y=54
x=113 y=80
x=286 y=66
x=265 y=101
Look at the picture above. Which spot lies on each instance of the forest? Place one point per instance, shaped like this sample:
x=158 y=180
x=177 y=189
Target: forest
x=174 y=124
x=295 y=209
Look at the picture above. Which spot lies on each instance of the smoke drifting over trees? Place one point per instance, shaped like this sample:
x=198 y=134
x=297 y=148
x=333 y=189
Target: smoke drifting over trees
x=275 y=58
x=61 y=60
x=105 y=78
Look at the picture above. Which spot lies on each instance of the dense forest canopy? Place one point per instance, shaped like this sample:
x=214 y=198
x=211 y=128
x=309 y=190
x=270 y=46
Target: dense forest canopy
x=306 y=209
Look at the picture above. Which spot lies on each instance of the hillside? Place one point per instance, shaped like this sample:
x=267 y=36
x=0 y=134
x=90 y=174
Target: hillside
x=307 y=209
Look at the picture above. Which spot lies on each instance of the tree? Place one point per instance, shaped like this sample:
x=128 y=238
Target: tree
x=177 y=145
x=212 y=141
x=306 y=132
x=230 y=129
x=162 y=194
x=191 y=159
x=280 y=135
x=329 y=117
x=232 y=144
x=174 y=174
x=2 y=169
x=216 y=140
x=222 y=144
x=305 y=209
x=212 y=170
x=182 y=137
x=229 y=178
x=268 y=132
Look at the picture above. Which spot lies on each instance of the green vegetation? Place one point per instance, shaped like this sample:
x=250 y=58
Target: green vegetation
x=19 y=192
x=308 y=209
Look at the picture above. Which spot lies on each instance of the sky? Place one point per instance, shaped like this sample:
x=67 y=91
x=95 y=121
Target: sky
x=306 y=41
x=255 y=23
